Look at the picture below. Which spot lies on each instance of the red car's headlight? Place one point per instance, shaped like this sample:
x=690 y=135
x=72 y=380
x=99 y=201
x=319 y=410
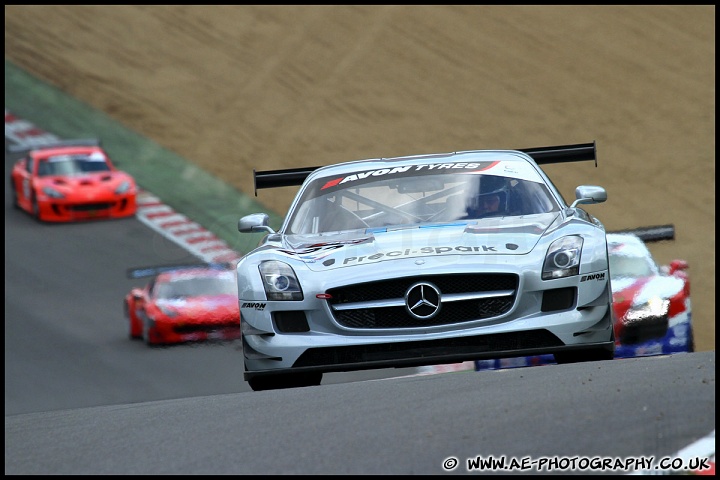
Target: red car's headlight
x=170 y=312
x=52 y=193
x=654 y=308
x=123 y=187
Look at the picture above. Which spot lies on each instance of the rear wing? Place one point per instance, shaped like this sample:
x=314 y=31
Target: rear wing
x=651 y=234
x=542 y=155
x=144 y=272
x=78 y=142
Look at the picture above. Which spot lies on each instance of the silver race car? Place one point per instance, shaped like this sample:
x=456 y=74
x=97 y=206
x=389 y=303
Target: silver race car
x=421 y=260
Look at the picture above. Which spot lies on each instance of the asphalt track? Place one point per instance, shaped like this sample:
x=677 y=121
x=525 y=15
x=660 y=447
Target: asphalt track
x=80 y=398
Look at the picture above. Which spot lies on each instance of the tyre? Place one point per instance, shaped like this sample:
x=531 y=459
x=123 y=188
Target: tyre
x=589 y=355
x=288 y=380
x=34 y=208
x=15 y=203
x=126 y=311
x=147 y=336
x=691 y=340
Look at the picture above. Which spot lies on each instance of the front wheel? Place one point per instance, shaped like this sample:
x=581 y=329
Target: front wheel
x=691 y=340
x=285 y=380
x=15 y=203
x=34 y=208
x=134 y=333
x=149 y=337
x=592 y=355
x=589 y=355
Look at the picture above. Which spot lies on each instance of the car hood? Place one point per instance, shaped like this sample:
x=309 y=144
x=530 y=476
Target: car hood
x=493 y=236
x=75 y=182
x=637 y=291
x=196 y=307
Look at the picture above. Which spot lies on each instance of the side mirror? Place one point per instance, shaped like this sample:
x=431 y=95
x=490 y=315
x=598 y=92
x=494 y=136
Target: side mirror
x=677 y=265
x=589 y=194
x=254 y=223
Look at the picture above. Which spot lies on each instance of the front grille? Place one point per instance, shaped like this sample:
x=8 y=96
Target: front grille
x=207 y=327
x=450 y=312
x=87 y=207
x=649 y=328
x=469 y=346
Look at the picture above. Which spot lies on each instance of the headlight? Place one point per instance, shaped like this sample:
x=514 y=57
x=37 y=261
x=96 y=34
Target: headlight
x=123 y=187
x=280 y=281
x=168 y=311
x=52 y=193
x=563 y=258
x=656 y=307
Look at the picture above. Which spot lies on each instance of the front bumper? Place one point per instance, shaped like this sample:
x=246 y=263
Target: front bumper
x=69 y=210
x=275 y=354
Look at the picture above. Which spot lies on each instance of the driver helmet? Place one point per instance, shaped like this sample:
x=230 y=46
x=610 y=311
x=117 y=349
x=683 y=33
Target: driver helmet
x=492 y=190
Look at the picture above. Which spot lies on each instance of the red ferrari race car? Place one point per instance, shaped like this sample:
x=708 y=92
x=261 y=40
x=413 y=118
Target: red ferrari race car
x=71 y=180
x=651 y=303
x=184 y=303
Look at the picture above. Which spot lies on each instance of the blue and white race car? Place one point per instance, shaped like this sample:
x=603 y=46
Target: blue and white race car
x=422 y=260
x=653 y=311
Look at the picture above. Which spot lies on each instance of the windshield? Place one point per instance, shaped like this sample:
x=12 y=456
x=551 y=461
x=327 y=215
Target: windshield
x=623 y=266
x=375 y=202
x=196 y=286
x=72 y=165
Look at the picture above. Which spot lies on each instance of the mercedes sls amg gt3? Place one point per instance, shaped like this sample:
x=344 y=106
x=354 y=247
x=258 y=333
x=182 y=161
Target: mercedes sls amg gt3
x=421 y=260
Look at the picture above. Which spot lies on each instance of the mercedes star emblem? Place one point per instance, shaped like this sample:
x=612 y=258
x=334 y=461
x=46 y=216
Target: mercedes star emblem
x=422 y=300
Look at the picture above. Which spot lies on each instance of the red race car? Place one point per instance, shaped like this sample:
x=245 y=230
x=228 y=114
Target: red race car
x=71 y=180
x=184 y=303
